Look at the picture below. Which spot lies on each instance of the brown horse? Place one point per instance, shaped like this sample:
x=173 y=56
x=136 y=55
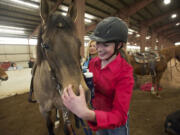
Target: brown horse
x=57 y=65
x=160 y=66
x=3 y=75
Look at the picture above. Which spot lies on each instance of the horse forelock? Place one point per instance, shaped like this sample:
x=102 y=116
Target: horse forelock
x=54 y=21
x=66 y=23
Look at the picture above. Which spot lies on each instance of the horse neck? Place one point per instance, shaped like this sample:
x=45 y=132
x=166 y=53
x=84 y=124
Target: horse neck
x=169 y=53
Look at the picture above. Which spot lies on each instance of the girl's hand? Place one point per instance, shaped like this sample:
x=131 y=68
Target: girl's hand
x=76 y=104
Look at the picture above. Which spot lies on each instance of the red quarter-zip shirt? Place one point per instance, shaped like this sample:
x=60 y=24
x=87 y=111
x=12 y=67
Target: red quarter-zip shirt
x=113 y=89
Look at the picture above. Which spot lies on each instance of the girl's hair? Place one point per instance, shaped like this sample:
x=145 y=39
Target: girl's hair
x=124 y=54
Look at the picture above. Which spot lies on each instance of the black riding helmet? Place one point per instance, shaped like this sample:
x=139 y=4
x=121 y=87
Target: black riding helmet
x=110 y=29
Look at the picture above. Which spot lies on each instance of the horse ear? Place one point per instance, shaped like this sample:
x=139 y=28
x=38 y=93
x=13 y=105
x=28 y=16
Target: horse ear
x=44 y=10
x=72 y=11
x=48 y=7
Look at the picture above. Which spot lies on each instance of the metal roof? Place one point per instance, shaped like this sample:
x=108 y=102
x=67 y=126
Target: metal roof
x=151 y=13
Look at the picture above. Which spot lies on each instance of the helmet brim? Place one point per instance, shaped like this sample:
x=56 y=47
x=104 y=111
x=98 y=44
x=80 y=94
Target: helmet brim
x=97 y=39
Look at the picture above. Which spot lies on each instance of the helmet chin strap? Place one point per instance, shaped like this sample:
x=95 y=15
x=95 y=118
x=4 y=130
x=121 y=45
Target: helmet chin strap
x=115 y=51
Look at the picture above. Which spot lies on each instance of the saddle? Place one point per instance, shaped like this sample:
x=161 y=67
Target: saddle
x=146 y=57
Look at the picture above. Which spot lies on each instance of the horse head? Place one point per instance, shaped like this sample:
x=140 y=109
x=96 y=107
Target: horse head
x=59 y=45
x=3 y=75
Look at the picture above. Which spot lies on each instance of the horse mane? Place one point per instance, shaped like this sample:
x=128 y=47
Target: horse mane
x=39 y=50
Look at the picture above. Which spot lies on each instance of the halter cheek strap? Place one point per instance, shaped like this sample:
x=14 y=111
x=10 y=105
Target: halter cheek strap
x=115 y=50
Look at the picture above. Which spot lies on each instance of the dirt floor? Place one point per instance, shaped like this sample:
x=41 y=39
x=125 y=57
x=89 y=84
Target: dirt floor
x=147 y=114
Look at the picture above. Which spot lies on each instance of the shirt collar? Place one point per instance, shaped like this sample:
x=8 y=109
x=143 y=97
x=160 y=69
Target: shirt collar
x=112 y=65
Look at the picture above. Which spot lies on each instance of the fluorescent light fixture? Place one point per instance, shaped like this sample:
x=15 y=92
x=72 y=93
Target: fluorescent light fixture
x=173 y=15
x=87 y=20
x=166 y=2
x=11 y=31
x=64 y=8
x=133 y=47
x=10 y=27
x=89 y=16
x=177 y=24
x=131 y=30
x=177 y=43
x=64 y=14
x=25 y=3
x=17 y=41
x=138 y=35
x=148 y=37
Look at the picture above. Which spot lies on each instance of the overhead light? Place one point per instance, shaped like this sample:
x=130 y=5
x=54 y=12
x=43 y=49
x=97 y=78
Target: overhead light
x=148 y=37
x=137 y=35
x=131 y=30
x=166 y=2
x=10 y=27
x=157 y=41
x=87 y=20
x=133 y=47
x=19 y=41
x=177 y=43
x=64 y=8
x=11 y=31
x=130 y=33
x=177 y=24
x=25 y=3
x=64 y=14
x=173 y=15
x=89 y=16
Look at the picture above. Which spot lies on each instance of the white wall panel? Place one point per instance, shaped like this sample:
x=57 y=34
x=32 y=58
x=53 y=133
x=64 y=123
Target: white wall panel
x=19 y=54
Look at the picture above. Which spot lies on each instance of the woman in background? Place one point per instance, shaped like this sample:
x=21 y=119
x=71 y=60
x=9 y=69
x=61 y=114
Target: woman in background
x=90 y=53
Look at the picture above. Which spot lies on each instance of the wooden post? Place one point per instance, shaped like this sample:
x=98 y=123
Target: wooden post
x=143 y=33
x=80 y=25
x=153 y=40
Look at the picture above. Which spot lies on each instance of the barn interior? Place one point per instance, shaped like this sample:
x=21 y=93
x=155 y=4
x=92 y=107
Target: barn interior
x=153 y=25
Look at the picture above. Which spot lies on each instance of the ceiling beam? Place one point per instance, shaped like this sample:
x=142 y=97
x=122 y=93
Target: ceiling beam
x=159 y=18
x=137 y=6
x=96 y=8
x=147 y=10
x=170 y=31
x=108 y=4
x=173 y=35
x=128 y=11
x=175 y=39
x=166 y=26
